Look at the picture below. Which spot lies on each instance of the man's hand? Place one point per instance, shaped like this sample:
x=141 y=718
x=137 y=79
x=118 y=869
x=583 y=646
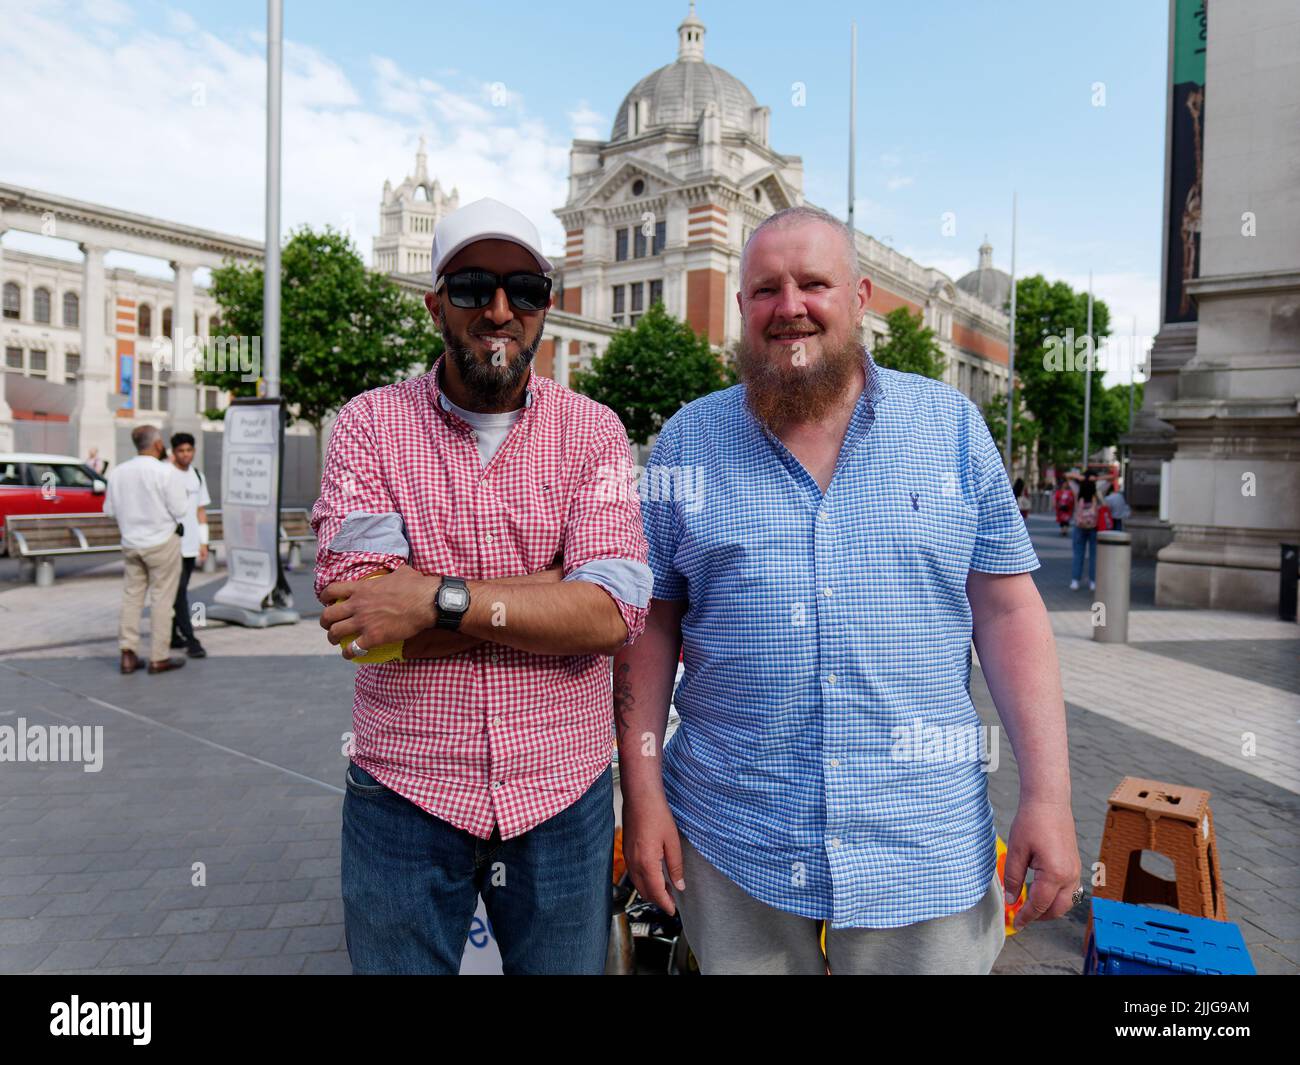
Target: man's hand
x=203 y=553
x=649 y=839
x=1042 y=839
x=381 y=610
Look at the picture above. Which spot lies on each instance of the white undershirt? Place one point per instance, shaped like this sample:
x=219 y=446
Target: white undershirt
x=490 y=430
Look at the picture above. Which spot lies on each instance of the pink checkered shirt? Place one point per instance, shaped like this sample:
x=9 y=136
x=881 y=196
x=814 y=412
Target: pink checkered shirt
x=490 y=736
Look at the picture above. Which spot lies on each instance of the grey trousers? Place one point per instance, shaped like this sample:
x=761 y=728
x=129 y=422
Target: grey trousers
x=732 y=933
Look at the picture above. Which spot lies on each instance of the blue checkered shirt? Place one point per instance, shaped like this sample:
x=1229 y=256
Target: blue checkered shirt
x=826 y=696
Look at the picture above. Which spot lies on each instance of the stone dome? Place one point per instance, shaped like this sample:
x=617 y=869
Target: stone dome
x=677 y=94
x=986 y=282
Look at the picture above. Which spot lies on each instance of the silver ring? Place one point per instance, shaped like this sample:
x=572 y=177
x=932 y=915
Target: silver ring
x=356 y=649
x=1077 y=897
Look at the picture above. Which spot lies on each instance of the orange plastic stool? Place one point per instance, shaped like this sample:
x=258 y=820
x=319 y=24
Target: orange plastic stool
x=1173 y=821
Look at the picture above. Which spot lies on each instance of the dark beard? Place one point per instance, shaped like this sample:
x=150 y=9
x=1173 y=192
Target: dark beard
x=486 y=383
x=783 y=394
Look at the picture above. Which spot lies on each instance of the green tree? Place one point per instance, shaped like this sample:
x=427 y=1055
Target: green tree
x=344 y=329
x=1052 y=320
x=651 y=371
x=1110 y=413
x=910 y=347
x=1024 y=429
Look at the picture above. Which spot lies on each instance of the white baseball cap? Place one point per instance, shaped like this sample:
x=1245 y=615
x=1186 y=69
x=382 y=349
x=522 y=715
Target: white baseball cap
x=485 y=219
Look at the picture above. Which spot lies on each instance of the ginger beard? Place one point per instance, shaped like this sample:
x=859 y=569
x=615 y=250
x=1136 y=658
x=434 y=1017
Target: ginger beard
x=488 y=376
x=780 y=391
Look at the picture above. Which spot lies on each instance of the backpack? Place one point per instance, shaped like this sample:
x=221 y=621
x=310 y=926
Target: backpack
x=1085 y=515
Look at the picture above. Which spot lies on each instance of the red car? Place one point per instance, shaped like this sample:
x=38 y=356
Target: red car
x=47 y=484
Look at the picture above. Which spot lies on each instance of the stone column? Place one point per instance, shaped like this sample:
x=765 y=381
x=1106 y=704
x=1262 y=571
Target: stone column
x=560 y=370
x=182 y=399
x=6 y=415
x=96 y=420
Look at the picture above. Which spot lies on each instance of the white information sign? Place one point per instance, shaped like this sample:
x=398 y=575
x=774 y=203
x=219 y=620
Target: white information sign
x=250 y=477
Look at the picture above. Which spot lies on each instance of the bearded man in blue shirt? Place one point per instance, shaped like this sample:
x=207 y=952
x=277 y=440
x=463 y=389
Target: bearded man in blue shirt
x=851 y=529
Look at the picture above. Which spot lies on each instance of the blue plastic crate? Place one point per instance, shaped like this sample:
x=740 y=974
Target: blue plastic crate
x=1130 y=940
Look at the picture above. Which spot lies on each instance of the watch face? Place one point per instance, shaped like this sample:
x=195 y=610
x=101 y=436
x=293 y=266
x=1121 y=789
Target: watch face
x=453 y=599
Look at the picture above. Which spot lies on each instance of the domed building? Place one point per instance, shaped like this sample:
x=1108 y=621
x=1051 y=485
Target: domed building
x=986 y=282
x=662 y=209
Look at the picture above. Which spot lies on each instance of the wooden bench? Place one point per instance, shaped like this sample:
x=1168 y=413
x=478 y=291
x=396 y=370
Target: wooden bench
x=41 y=538
x=295 y=530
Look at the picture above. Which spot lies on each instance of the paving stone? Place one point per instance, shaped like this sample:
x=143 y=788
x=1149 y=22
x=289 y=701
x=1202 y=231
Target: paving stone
x=256 y=944
x=16 y=931
x=127 y=925
x=143 y=950
x=22 y=905
x=1281 y=926
x=295 y=914
x=183 y=922
x=203 y=946
x=318 y=938
x=83 y=955
x=24 y=957
x=274 y=965
x=285 y=891
x=334 y=964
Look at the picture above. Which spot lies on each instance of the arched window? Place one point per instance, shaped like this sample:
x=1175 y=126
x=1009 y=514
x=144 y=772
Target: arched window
x=167 y=323
x=12 y=299
x=144 y=320
x=71 y=309
x=41 y=305
x=214 y=326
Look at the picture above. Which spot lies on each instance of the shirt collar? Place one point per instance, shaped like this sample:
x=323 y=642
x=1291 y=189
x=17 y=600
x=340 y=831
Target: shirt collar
x=441 y=402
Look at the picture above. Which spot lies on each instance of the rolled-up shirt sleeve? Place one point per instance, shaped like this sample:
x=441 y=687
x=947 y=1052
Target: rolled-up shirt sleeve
x=358 y=528
x=603 y=539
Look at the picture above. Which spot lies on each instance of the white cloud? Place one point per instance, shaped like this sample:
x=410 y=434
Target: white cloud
x=169 y=120
x=893 y=184
x=586 y=123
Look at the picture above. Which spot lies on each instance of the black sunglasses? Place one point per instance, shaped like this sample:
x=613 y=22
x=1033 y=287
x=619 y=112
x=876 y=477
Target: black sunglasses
x=474 y=289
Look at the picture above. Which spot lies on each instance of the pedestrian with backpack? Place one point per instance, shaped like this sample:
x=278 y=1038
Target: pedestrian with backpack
x=1084 y=521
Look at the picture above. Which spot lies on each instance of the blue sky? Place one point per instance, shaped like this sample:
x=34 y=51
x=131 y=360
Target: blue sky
x=156 y=107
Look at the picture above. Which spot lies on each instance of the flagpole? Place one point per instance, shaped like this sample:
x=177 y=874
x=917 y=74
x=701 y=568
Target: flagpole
x=271 y=277
x=853 y=111
x=1087 y=381
x=1011 y=340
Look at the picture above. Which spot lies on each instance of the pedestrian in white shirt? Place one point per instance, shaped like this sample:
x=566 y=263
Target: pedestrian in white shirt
x=147 y=497
x=194 y=542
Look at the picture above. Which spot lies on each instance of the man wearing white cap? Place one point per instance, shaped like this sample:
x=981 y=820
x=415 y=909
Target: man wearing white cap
x=493 y=508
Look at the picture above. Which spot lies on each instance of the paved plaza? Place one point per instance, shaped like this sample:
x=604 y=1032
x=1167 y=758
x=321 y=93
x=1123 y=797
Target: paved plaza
x=209 y=840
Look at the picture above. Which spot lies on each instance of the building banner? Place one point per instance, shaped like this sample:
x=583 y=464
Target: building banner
x=250 y=504
x=1185 y=158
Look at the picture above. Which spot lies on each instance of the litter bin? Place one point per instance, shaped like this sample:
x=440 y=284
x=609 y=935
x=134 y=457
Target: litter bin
x=1114 y=560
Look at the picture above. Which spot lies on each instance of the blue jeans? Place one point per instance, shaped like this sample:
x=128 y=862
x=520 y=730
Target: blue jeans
x=411 y=884
x=1085 y=542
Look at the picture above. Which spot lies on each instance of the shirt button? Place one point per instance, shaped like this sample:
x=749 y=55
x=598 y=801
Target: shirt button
x=835 y=841
x=487 y=538
x=830 y=679
x=496 y=720
x=496 y=784
x=496 y=659
x=823 y=515
x=835 y=763
x=473 y=434
x=828 y=592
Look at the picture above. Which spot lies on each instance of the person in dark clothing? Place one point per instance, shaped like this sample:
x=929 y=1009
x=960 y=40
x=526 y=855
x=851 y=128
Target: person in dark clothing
x=194 y=542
